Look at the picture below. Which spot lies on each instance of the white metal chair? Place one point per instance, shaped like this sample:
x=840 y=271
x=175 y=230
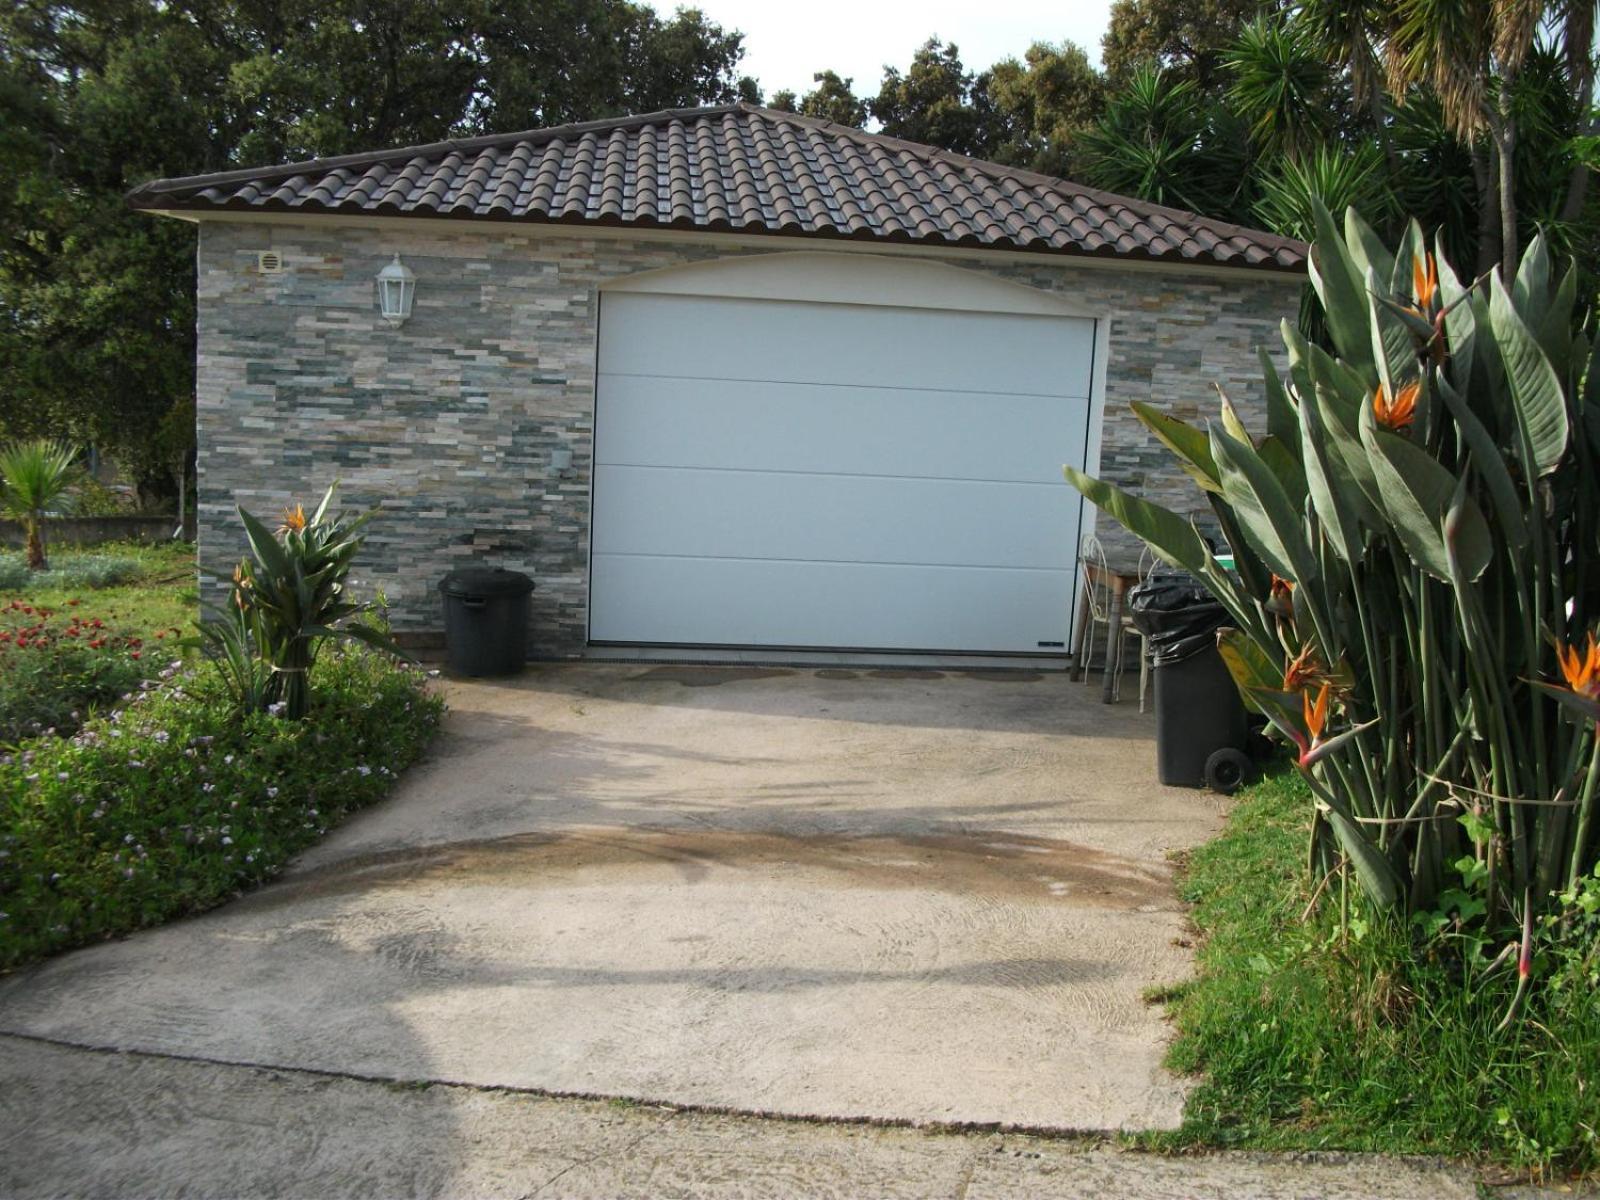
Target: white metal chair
x=1097 y=608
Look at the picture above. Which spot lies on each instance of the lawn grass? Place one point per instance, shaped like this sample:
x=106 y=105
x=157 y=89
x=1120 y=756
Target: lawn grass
x=1307 y=1035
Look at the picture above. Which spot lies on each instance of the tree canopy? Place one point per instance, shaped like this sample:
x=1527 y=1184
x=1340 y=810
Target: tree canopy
x=1474 y=116
x=97 y=303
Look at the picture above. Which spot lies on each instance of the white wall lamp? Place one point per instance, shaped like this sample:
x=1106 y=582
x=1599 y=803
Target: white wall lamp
x=397 y=287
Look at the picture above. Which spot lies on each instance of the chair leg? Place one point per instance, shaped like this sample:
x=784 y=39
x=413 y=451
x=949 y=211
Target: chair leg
x=1088 y=650
x=1144 y=672
x=1081 y=641
x=1116 y=680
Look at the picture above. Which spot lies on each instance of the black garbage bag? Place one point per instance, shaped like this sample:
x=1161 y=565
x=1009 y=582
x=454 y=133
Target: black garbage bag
x=1177 y=615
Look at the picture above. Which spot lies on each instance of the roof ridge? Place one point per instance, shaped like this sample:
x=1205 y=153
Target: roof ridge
x=370 y=158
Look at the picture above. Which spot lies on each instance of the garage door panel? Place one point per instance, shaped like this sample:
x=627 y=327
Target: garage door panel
x=711 y=338
x=846 y=605
x=737 y=425
x=850 y=518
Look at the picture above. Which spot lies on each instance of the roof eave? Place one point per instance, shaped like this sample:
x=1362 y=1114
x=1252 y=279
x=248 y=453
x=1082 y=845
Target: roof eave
x=179 y=208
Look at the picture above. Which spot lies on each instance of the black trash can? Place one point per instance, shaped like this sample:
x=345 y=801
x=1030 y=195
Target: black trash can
x=485 y=620
x=1200 y=720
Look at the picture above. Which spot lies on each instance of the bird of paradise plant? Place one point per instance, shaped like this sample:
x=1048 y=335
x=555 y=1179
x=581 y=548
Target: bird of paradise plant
x=286 y=603
x=1414 y=535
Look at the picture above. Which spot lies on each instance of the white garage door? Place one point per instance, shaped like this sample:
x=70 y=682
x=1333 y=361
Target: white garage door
x=800 y=474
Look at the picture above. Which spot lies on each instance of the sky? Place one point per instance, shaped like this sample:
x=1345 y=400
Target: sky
x=787 y=42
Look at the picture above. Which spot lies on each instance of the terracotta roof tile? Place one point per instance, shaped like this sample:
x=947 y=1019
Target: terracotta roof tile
x=735 y=167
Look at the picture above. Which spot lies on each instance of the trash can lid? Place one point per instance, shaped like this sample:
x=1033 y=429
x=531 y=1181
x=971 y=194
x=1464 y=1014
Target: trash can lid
x=485 y=581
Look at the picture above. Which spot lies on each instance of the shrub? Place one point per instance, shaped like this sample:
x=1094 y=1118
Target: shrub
x=56 y=668
x=174 y=803
x=91 y=498
x=93 y=571
x=1414 y=537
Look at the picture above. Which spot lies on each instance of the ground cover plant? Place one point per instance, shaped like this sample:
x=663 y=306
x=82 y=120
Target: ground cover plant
x=211 y=775
x=57 y=667
x=176 y=801
x=1317 y=1033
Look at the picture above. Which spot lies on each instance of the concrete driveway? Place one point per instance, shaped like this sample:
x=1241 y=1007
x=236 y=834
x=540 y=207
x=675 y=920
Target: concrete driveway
x=919 y=896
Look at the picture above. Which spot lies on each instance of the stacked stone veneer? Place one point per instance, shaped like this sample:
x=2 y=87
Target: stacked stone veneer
x=447 y=423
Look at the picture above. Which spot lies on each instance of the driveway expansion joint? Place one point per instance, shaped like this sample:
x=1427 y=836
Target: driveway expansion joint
x=1088 y=1137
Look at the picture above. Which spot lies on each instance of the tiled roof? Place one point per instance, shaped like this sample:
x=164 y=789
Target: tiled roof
x=739 y=169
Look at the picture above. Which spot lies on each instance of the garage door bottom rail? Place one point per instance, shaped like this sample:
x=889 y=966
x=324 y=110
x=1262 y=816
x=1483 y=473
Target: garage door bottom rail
x=779 y=656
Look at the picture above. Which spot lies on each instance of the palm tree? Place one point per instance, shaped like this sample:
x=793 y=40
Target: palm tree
x=34 y=478
x=1280 y=85
x=1469 y=54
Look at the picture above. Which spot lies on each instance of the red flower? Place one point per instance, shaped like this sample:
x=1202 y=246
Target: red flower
x=134 y=655
x=73 y=603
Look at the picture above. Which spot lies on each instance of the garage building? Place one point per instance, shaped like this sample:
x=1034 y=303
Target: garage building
x=718 y=379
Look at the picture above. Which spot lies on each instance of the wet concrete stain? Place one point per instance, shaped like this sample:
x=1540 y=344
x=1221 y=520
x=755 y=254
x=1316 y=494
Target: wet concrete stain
x=901 y=673
x=837 y=673
x=1008 y=675
x=690 y=676
x=978 y=863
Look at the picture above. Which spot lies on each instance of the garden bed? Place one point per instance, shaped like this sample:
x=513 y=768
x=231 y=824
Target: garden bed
x=175 y=802
x=77 y=638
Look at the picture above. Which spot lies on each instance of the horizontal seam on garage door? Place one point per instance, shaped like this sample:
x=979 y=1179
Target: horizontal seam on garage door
x=842 y=562
x=1050 y=483
x=872 y=387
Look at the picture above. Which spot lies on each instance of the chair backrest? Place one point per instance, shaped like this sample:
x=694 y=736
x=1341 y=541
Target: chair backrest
x=1095 y=595
x=1148 y=562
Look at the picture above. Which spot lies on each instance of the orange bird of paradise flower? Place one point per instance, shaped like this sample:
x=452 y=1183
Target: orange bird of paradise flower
x=294 y=519
x=1303 y=670
x=1581 y=669
x=1424 y=280
x=1316 y=716
x=1396 y=414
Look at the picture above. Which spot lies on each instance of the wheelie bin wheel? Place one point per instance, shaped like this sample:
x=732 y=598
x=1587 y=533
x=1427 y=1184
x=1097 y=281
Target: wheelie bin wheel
x=1227 y=770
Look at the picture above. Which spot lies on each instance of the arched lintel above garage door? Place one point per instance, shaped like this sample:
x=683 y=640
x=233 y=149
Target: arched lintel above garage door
x=837 y=277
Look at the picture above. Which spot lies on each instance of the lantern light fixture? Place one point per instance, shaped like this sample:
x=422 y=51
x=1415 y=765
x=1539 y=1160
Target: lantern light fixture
x=397 y=287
